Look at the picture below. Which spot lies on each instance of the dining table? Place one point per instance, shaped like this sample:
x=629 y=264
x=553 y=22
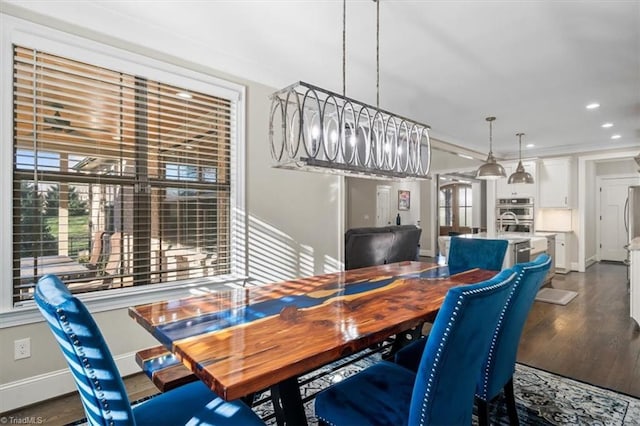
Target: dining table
x=244 y=340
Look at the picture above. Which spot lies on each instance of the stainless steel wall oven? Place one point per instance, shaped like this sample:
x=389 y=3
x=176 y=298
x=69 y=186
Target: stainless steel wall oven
x=515 y=215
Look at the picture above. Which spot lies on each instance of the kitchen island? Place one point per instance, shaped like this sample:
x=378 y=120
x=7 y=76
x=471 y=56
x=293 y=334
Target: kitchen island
x=522 y=246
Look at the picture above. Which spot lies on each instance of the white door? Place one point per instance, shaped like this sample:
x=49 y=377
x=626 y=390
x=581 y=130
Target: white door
x=382 y=205
x=613 y=236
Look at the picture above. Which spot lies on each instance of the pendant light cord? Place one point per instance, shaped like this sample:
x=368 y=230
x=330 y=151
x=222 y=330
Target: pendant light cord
x=377 y=53
x=344 y=48
x=519 y=135
x=490 y=120
x=490 y=137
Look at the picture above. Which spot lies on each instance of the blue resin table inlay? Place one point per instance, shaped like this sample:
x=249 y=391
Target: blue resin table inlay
x=207 y=323
x=243 y=340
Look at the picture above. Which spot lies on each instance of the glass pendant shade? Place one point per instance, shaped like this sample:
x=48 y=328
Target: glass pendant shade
x=491 y=169
x=520 y=175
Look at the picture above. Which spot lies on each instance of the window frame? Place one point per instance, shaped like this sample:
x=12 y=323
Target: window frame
x=454 y=208
x=28 y=34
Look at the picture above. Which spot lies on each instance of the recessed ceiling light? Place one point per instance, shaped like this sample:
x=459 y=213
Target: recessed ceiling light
x=593 y=105
x=465 y=156
x=616 y=137
x=607 y=125
x=530 y=145
x=184 y=95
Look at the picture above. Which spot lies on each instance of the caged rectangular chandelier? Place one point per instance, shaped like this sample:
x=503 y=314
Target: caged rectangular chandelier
x=314 y=129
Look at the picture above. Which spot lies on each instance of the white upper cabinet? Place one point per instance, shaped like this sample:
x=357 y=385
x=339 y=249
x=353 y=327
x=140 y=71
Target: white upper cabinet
x=557 y=183
x=506 y=190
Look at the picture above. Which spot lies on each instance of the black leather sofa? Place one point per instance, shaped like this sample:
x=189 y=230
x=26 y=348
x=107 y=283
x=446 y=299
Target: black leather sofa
x=377 y=246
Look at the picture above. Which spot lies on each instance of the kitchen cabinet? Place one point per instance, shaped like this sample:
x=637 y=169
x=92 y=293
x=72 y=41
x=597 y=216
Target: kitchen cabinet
x=551 y=251
x=563 y=241
x=557 y=183
x=545 y=242
x=506 y=190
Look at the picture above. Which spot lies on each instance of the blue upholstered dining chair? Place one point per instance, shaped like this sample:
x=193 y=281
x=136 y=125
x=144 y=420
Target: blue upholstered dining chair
x=99 y=383
x=441 y=392
x=469 y=253
x=499 y=363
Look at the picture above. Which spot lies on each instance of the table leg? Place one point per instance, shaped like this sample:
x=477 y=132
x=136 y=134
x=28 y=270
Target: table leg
x=405 y=338
x=288 y=403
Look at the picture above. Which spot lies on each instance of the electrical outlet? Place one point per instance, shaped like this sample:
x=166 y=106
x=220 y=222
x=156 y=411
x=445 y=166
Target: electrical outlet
x=22 y=348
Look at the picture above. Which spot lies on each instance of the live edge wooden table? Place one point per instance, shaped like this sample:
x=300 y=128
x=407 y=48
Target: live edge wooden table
x=245 y=340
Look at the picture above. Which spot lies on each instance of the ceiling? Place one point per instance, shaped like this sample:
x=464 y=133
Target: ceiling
x=535 y=64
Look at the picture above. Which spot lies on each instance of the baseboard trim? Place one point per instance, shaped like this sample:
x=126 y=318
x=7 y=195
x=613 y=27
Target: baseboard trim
x=590 y=261
x=45 y=386
x=428 y=253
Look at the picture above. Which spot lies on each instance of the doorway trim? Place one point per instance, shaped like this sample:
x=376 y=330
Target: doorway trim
x=599 y=183
x=588 y=180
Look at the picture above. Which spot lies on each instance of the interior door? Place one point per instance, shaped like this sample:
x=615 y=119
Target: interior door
x=455 y=208
x=382 y=205
x=613 y=236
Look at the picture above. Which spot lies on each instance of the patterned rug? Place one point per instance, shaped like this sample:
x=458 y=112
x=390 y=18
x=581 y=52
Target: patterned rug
x=542 y=398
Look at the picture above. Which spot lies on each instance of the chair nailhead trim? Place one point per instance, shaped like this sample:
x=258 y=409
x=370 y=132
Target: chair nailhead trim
x=326 y=421
x=491 y=356
x=67 y=328
x=436 y=362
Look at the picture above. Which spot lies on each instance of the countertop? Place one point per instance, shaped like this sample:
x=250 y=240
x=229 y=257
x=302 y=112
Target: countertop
x=512 y=239
x=635 y=244
x=547 y=233
x=538 y=240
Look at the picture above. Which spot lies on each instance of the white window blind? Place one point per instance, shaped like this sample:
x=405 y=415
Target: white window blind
x=118 y=180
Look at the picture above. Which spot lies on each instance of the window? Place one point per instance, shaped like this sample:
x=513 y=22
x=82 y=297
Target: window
x=119 y=180
x=455 y=208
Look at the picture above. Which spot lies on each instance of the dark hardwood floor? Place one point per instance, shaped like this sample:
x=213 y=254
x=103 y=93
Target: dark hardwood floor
x=591 y=339
x=68 y=408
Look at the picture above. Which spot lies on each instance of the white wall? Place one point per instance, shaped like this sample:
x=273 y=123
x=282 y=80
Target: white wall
x=590 y=217
x=361 y=205
x=427 y=218
x=622 y=167
x=361 y=202
x=585 y=217
x=294 y=222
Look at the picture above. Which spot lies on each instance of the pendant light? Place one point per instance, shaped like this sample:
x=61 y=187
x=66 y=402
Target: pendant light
x=317 y=130
x=520 y=175
x=491 y=169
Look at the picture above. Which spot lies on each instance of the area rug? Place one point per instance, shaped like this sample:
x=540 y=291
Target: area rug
x=555 y=295
x=542 y=398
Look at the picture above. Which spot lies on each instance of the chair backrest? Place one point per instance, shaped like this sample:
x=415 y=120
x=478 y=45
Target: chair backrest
x=97 y=378
x=499 y=364
x=96 y=248
x=469 y=253
x=115 y=254
x=452 y=359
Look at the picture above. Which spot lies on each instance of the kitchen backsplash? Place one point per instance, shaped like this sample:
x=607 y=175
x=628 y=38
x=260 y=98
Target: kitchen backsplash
x=554 y=220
